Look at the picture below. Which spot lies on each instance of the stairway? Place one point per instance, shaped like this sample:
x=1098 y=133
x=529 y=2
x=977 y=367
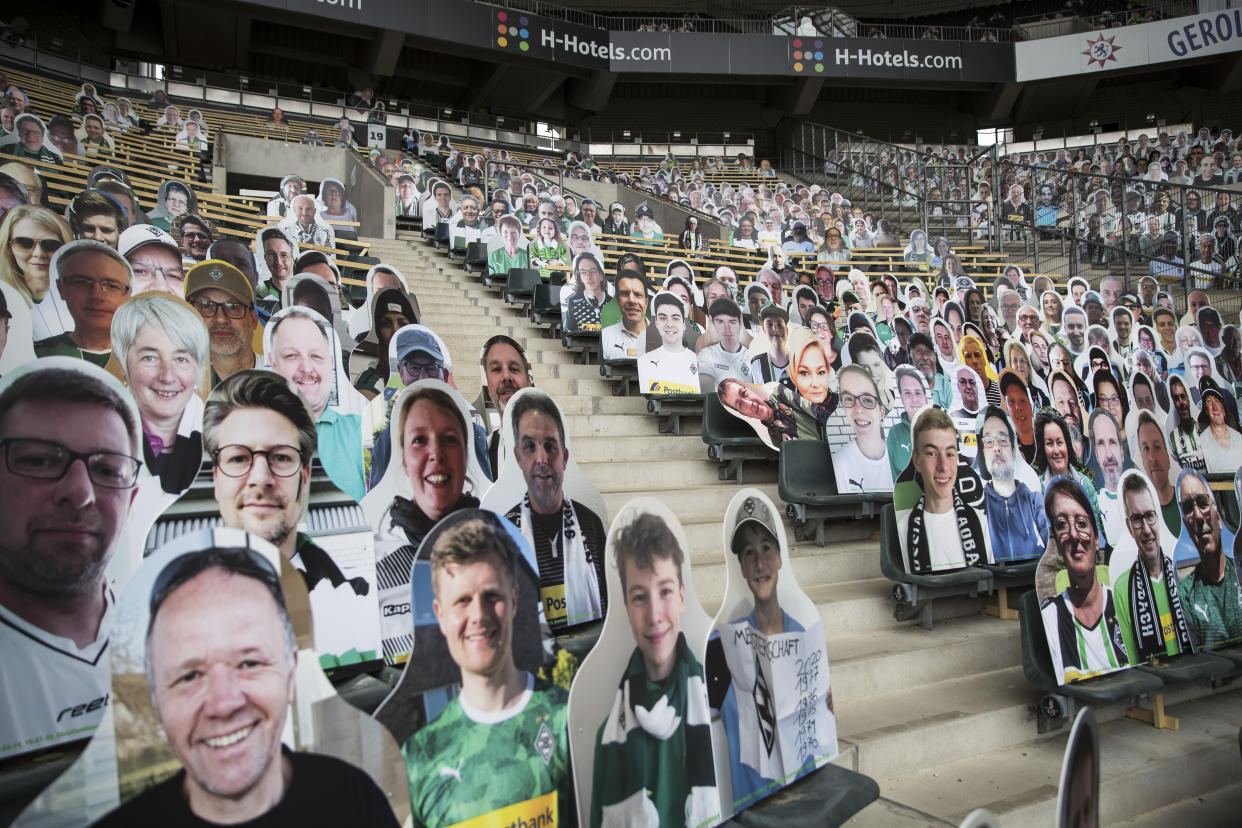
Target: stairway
x=943 y=720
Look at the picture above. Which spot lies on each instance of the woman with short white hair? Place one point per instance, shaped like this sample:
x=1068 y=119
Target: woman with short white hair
x=161 y=351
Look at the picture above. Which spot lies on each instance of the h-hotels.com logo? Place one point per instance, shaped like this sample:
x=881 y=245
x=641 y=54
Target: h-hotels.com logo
x=512 y=30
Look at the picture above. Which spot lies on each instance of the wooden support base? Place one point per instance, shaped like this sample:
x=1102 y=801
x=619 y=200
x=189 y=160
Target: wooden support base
x=1156 y=716
x=1002 y=608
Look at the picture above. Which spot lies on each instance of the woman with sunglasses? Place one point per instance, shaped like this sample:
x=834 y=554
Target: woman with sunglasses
x=29 y=236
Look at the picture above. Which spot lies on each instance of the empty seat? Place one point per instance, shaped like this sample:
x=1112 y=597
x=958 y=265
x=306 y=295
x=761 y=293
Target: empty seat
x=806 y=481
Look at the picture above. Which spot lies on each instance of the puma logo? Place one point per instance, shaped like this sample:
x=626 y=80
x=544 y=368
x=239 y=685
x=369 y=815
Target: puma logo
x=1202 y=610
x=454 y=772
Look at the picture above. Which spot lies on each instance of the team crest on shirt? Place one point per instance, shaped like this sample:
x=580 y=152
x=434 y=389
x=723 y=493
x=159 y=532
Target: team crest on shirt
x=545 y=743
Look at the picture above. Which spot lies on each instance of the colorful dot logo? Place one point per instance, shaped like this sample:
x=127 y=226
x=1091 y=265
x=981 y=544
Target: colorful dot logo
x=514 y=31
x=808 y=55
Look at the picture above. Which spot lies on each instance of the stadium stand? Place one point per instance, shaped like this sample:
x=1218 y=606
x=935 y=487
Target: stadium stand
x=983 y=384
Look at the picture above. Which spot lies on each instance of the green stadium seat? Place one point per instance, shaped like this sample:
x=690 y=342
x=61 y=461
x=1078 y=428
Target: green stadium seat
x=730 y=441
x=808 y=485
x=823 y=799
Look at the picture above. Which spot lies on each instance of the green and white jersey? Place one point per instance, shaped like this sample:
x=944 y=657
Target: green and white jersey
x=467 y=764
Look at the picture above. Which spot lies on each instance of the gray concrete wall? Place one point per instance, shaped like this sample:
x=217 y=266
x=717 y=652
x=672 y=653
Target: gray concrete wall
x=670 y=217
x=364 y=186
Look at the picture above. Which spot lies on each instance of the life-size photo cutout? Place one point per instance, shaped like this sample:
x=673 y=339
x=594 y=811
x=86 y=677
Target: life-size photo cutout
x=1154 y=620
x=754 y=405
x=483 y=731
x=1205 y=564
x=326 y=301
x=1081 y=622
x=942 y=520
x=558 y=510
x=1013 y=497
x=671 y=367
x=390 y=309
x=17 y=337
x=217 y=700
x=640 y=726
x=287 y=499
x=767 y=662
x=431 y=471
x=585 y=294
x=861 y=462
x=1078 y=795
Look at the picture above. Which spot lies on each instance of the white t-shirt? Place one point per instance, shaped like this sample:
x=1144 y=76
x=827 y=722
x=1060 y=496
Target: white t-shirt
x=664 y=372
x=945 y=540
x=716 y=364
x=54 y=692
x=855 y=472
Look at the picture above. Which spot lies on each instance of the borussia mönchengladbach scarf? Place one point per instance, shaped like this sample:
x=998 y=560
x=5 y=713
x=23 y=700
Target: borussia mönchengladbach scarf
x=1148 y=636
x=974 y=536
x=653 y=763
x=582 y=593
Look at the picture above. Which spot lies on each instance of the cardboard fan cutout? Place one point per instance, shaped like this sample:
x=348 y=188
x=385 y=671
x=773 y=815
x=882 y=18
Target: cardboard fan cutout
x=216 y=593
x=640 y=726
x=483 y=734
x=767 y=662
x=1081 y=622
x=1013 y=497
x=942 y=522
x=671 y=367
x=1078 y=795
x=558 y=510
x=329 y=538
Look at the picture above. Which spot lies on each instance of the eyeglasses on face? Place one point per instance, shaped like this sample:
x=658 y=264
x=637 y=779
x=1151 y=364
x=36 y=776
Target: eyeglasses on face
x=86 y=283
x=146 y=270
x=49 y=460
x=207 y=308
x=421 y=370
x=48 y=246
x=237 y=460
x=1200 y=501
x=1137 y=521
x=867 y=401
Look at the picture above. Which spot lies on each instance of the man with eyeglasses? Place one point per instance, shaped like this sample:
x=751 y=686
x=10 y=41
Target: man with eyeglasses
x=94 y=280
x=1081 y=623
x=221 y=295
x=1153 y=618
x=279 y=252
x=59 y=525
x=1010 y=302
x=155 y=259
x=1209 y=592
x=1016 y=520
x=31 y=143
x=260 y=436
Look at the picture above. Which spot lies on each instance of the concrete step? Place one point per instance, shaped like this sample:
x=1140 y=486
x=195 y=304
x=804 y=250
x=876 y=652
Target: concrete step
x=629 y=474
x=886 y=660
x=907 y=731
x=1142 y=769
x=697 y=505
x=1207 y=810
x=590 y=449
x=615 y=426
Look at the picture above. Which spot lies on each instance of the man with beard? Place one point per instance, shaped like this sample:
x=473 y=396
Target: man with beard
x=1109 y=456
x=1016 y=519
x=920 y=315
x=923 y=357
x=1065 y=399
x=302 y=354
x=1153 y=618
x=1184 y=435
x=260 y=435
x=59 y=524
x=1210 y=591
x=1084 y=634
x=221 y=294
x=506 y=371
x=1156 y=464
x=567 y=537
x=770 y=365
x=620 y=340
x=1074 y=328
